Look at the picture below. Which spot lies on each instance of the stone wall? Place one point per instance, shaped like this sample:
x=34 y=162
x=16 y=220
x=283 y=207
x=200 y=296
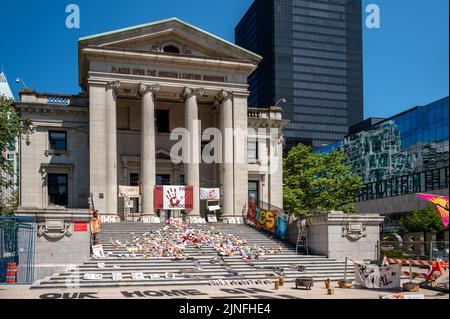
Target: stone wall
x=338 y=235
x=55 y=251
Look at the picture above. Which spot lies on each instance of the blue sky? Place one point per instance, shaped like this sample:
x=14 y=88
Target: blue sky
x=406 y=62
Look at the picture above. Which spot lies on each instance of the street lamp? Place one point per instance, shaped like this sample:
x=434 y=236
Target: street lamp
x=283 y=100
x=19 y=80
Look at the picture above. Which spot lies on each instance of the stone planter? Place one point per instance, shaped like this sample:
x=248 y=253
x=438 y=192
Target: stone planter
x=338 y=235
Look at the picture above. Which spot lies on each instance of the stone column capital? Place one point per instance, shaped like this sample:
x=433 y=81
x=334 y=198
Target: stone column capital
x=149 y=88
x=113 y=85
x=224 y=95
x=189 y=92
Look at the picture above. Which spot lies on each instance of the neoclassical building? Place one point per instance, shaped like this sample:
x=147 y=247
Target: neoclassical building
x=137 y=85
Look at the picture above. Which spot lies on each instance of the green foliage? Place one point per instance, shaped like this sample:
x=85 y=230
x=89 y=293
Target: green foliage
x=12 y=126
x=8 y=206
x=318 y=182
x=422 y=220
x=393 y=253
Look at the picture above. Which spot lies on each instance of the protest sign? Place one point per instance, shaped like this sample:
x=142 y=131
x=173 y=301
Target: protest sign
x=374 y=277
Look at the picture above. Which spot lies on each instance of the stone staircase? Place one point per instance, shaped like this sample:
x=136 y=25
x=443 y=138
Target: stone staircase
x=318 y=267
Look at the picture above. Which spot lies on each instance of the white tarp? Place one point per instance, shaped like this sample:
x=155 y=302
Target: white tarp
x=210 y=193
x=374 y=277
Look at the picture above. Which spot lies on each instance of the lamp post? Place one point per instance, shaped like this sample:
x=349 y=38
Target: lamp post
x=19 y=80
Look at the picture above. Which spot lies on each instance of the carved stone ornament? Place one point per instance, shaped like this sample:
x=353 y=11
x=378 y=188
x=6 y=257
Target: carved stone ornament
x=188 y=92
x=54 y=229
x=154 y=88
x=225 y=95
x=114 y=85
x=157 y=48
x=354 y=231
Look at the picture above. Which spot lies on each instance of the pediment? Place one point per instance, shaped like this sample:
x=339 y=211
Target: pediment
x=172 y=36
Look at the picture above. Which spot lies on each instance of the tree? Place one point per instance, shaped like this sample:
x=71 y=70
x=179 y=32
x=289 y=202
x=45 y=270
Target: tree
x=422 y=220
x=12 y=126
x=318 y=182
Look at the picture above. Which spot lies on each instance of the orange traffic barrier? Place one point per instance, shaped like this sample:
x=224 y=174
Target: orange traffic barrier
x=11 y=273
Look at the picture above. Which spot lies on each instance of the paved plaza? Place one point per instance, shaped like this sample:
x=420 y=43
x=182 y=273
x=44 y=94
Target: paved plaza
x=206 y=292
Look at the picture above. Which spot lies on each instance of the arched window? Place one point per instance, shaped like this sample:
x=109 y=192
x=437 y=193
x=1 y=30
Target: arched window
x=171 y=49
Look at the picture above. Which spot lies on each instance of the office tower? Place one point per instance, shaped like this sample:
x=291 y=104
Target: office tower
x=312 y=54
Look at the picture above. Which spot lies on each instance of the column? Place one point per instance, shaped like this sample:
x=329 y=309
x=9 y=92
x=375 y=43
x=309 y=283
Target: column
x=240 y=118
x=97 y=138
x=111 y=148
x=193 y=144
x=148 y=149
x=226 y=167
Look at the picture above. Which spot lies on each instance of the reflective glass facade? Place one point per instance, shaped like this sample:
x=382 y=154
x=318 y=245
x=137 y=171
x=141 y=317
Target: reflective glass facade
x=413 y=142
x=312 y=53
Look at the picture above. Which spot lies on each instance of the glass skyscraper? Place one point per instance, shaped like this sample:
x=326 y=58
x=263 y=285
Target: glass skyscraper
x=412 y=142
x=312 y=54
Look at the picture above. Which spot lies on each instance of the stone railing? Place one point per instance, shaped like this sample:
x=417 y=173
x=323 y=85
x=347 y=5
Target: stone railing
x=266 y=117
x=31 y=96
x=265 y=113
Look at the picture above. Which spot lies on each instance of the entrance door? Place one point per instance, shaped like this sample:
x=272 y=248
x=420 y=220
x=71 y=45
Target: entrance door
x=134 y=211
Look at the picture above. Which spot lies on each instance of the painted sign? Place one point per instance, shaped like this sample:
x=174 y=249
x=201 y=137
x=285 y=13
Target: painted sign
x=374 y=277
x=263 y=218
x=441 y=203
x=174 y=198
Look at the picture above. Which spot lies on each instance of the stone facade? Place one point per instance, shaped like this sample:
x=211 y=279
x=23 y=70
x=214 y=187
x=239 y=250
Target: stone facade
x=338 y=235
x=126 y=77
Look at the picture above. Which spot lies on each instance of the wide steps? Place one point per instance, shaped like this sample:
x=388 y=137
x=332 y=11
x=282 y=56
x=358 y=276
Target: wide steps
x=317 y=267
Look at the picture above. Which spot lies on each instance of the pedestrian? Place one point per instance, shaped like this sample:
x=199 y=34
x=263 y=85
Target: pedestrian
x=96 y=227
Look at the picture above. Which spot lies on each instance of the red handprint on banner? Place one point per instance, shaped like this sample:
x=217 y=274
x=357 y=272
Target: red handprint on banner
x=172 y=196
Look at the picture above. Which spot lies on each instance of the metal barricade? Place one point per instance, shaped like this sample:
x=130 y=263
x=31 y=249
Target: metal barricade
x=17 y=245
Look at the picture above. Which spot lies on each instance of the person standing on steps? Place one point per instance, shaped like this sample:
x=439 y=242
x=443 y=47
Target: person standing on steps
x=96 y=227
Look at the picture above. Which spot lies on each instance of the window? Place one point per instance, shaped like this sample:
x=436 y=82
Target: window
x=163 y=180
x=134 y=179
x=252 y=149
x=171 y=49
x=58 y=140
x=253 y=191
x=58 y=189
x=162 y=121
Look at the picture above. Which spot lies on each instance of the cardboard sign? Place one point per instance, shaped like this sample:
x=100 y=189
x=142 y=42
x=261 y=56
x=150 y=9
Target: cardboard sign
x=138 y=276
x=97 y=251
x=93 y=277
x=117 y=276
x=80 y=227
x=174 y=198
x=374 y=277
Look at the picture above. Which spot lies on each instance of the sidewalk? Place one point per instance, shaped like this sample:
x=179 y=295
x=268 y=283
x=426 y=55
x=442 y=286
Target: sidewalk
x=203 y=292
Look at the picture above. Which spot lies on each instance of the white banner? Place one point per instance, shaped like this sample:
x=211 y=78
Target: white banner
x=374 y=277
x=129 y=191
x=210 y=193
